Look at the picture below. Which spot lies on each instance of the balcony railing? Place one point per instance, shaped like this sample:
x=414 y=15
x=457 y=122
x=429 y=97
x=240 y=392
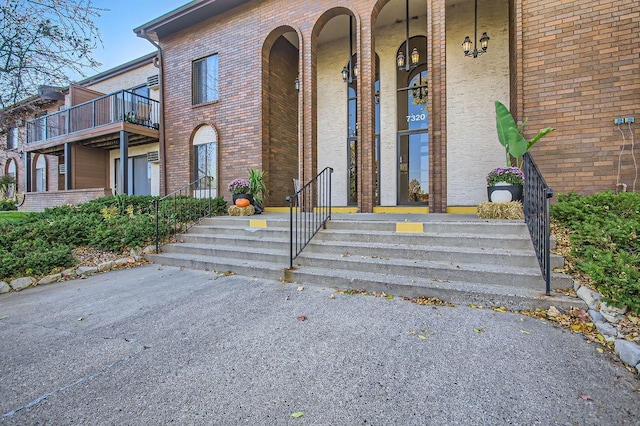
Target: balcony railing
x=123 y=106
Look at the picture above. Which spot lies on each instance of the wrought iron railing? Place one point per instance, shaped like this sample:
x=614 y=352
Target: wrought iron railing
x=180 y=210
x=116 y=107
x=537 y=197
x=309 y=210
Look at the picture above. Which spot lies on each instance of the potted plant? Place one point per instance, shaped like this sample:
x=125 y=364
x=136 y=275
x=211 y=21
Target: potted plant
x=257 y=188
x=510 y=179
x=240 y=188
x=504 y=184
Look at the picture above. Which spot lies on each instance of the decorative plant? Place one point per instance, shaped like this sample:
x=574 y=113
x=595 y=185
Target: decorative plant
x=257 y=185
x=415 y=191
x=510 y=135
x=239 y=186
x=7 y=182
x=510 y=175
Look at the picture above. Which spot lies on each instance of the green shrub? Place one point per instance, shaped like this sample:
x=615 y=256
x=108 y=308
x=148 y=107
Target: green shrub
x=38 y=243
x=7 y=205
x=604 y=241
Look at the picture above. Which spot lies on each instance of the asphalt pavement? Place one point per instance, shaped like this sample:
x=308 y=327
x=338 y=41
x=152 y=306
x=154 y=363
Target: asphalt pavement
x=159 y=345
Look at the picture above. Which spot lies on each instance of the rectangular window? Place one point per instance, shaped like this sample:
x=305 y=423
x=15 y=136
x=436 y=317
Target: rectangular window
x=12 y=138
x=205 y=80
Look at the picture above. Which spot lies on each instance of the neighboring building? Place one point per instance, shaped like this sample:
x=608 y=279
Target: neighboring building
x=259 y=84
x=70 y=146
x=42 y=168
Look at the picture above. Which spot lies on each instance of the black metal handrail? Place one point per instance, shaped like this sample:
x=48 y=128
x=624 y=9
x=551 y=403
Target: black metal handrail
x=537 y=197
x=180 y=210
x=309 y=210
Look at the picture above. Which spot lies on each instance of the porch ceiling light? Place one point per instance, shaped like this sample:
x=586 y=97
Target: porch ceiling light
x=350 y=72
x=403 y=57
x=484 y=40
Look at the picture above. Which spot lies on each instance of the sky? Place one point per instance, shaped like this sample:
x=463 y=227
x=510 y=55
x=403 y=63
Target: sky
x=120 y=44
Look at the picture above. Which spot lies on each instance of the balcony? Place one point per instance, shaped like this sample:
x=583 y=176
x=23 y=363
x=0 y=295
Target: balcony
x=97 y=123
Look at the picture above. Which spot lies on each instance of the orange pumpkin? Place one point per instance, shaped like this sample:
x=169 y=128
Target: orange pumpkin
x=242 y=202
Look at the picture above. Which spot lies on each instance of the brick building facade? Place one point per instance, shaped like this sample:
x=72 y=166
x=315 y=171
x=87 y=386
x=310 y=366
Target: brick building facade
x=569 y=65
x=259 y=84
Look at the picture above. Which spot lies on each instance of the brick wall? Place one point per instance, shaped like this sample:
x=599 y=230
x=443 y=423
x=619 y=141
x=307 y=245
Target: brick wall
x=238 y=37
x=38 y=201
x=581 y=69
x=281 y=162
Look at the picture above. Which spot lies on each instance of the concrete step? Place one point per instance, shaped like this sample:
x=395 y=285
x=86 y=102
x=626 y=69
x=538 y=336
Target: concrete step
x=276 y=256
x=247 y=240
x=451 y=291
x=478 y=227
x=245 y=221
x=455 y=260
x=239 y=230
x=515 y=242
x=521 y=277
x=492 y=256
x=251 y=268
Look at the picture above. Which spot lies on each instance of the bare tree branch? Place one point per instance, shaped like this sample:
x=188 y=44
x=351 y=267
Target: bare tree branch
x=42 y=42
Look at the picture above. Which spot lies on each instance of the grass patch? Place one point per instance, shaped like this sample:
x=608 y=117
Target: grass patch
x=603 y=230
x=13 y=216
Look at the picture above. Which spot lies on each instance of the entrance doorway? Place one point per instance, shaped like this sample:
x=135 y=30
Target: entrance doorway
x=413 y=168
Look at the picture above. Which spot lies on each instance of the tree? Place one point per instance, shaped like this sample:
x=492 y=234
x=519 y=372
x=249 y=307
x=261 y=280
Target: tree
x=41 y=43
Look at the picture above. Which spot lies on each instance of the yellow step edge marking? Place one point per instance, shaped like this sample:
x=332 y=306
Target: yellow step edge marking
x=410 y=227
x=257 y=223
x=401 y=210
x=276 y=209
x=462 y=210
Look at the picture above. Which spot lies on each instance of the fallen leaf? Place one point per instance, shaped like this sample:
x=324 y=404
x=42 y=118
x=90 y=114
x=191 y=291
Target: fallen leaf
x=478 y=330
x=524 y=332
x=300 y=288
x=600 y=350
x=302 y=318
x=332 y=296
x=420 y=336
x=471 y=305
x=586 y=397
x=297 y=414
x=500 y=309
x=412 y=332
x=553 y=312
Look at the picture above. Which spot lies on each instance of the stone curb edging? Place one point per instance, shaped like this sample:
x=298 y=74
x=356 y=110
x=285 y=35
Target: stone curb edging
x=21 y=283
x=605 y=319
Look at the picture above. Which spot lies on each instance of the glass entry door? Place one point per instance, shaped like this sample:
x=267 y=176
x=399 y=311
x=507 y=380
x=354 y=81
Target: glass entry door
x=413 y=168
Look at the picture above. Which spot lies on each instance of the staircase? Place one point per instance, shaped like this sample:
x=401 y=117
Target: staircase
x=455 y=258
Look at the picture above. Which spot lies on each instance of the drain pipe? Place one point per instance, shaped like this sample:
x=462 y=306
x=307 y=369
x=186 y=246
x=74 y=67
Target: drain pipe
x=159 y=63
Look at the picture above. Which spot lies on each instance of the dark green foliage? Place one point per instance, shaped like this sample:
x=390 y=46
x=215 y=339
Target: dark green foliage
x=604 y=241
x=8 y=206
x=38 y=243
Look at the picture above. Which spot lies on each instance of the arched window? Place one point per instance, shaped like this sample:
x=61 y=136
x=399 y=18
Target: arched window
x=41 y=174
x=413 y=127
x=205 y=156
x=12 y=170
